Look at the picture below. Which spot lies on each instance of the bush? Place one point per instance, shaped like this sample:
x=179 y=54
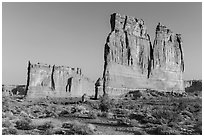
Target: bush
x=109 y=115
x=6 y=123
x=160 y=130
x=166 y=115
x=92 y=115
x=128 y=122
x=105 y=104
x=123 y=121
x=139 y=132
x=63 y=132
x=136 y=94
x=24 y=124
x=9 y=131
x=78 y=128
x=134 y=123
x=9 y=115
x=64 y=112
x=93 y=105
x=187 y=113
x=67 y=125
x=46 y=126
x=198 y=128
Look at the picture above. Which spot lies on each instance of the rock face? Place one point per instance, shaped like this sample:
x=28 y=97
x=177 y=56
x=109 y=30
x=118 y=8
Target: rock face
x=56 y=81
x=99 y=88
x=168 y=62
x=132 y=63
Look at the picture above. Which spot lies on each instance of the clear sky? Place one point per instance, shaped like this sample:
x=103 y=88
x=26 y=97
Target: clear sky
x=74 y=34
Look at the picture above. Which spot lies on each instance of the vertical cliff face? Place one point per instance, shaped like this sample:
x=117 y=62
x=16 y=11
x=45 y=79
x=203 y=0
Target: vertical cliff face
x=57 y=81
x=128 y=43
x=168 y=62
x=130 y=61
x=168 y=53
x=127 y=53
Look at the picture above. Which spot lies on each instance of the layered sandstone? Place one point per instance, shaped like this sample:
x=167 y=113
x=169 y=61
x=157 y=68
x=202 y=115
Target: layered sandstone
x=168 y=62
x=57 y=81
x=131 y=63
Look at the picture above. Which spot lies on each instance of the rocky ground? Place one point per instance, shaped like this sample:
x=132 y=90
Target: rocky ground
x=137 y=113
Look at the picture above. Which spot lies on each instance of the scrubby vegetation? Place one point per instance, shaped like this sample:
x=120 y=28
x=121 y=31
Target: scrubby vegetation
x=137 y=113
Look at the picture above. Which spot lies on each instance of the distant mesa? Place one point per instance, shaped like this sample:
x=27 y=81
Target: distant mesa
x=132 y=63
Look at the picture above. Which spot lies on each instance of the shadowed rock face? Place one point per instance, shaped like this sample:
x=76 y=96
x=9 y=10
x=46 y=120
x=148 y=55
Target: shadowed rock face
x=56 y=81
x=132 y=63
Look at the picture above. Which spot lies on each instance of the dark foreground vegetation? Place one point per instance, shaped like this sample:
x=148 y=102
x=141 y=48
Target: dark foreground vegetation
x=136 y=113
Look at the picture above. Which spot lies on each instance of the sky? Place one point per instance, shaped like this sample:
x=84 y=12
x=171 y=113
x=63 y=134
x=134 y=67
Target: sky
x=74 y=34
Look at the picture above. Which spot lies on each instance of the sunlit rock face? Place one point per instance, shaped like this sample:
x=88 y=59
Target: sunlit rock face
x=168 y=61
x=131 y=62
x=57 y=81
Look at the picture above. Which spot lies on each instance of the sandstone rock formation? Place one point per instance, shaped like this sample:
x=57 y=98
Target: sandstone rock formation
x=57 y=81
x=168 y=62
x=99 y=88
x=130 y=61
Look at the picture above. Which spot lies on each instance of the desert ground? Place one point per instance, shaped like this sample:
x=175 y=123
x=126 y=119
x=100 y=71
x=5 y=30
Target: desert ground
x=136 y=113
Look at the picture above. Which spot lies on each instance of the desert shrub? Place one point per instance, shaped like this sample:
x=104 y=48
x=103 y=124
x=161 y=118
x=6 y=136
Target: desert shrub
x=48 y=132
x=93 y=105
x=197 y=107
x=5 y=104
x=9 y=115
x=67 y=125
x=127 y=122
x=46 y=126
x=122 y=112
x=136 y=94
x=24 y=114
x=190 y=115
x=82 y=130
x=103 y=114
x=78 y=128
x=160 y=130
x=9 y=131
x=24 y=124
x=139 y=132
x=151 y=119
x=198 y=128
x=32 y=132
x=134 y=123
x=105 y=104
x=64 y=112
x=92 y=115
x=137 y=116
x=181 y=106
x=63 y=132
x=99 y=113
x=6 y=123
x=173 y=125
x=123 y=121
x=109 y=115
x=166 y=115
